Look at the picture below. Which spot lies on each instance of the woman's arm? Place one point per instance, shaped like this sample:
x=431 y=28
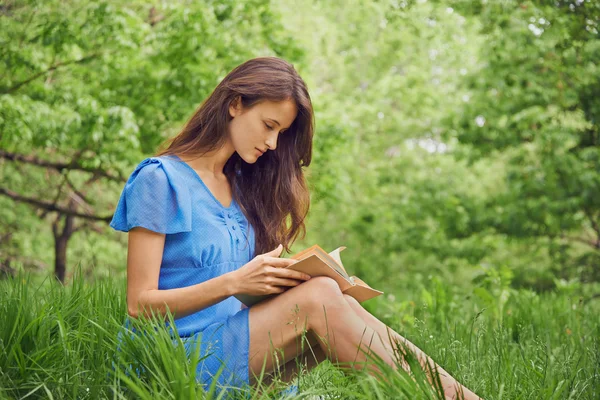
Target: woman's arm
x=144 y=256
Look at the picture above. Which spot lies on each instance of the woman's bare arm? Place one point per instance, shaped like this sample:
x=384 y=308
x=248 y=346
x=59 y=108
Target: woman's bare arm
x=144 y=256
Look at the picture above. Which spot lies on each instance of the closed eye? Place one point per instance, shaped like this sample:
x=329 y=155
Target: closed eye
x=271 y=128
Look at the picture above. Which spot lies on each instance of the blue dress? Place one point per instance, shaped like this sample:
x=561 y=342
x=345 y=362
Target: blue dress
x=204 y=239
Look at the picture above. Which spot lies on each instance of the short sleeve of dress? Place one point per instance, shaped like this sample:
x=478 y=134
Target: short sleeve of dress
x=153 y=200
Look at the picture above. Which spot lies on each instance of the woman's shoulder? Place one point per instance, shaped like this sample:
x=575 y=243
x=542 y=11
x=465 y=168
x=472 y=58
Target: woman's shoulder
x=154 y=197
x=158 y=169
x=155 y=161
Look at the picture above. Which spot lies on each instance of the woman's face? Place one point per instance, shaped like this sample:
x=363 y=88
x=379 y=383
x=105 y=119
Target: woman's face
x=258 y=127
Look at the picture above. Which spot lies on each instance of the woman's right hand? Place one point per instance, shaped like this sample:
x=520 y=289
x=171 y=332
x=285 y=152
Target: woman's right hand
x=267 y=274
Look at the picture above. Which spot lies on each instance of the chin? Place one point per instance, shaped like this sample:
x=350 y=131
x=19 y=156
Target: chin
x=250 y=159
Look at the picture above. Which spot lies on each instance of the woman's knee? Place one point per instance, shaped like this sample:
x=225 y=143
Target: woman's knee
x=317 y=293
x=322 y=290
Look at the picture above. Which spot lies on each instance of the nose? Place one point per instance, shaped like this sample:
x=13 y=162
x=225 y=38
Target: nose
x=272 y=141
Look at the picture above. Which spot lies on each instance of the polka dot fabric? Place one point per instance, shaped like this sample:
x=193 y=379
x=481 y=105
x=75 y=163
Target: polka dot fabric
x=204 y=239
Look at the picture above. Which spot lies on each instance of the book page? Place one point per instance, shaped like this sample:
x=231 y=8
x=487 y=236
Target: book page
x=332 y=262
x=335 y=254
x=315 y=265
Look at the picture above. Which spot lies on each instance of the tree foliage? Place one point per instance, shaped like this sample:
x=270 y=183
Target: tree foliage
x=94 y=86
x=452 y=137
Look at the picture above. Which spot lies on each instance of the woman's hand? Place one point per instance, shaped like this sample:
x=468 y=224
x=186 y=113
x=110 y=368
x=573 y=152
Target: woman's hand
x=267 y=274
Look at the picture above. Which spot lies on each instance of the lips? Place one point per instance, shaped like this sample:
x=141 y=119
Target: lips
x=261 y=152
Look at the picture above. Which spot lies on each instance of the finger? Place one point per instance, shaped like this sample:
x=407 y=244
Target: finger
x=274 y=253
x=286 y=282
x=276 y=289
x=290 y=274
x=280 y=262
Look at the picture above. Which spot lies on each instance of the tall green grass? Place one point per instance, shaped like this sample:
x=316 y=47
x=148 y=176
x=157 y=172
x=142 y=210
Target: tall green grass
x=60 y=342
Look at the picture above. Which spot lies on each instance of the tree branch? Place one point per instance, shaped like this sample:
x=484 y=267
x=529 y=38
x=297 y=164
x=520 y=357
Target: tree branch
x=52 y=68
x=51 y=207
x=90 y=226
x=73 y=165
x=154 y=18
x=589 y=242
x=56 y=198
x=84 y=201
x=69 y=223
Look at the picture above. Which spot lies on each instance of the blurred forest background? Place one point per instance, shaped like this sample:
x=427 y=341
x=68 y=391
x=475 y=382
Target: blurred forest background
x=457 y=144
x=454 y=139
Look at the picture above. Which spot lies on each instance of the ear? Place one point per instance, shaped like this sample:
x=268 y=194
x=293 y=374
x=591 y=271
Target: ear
x=235 y=107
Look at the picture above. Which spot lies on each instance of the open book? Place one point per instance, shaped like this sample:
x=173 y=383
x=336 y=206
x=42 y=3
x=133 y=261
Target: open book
x=314 y=261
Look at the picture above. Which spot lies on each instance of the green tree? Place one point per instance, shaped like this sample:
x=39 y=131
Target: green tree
x=535 y=106
x=88 y=88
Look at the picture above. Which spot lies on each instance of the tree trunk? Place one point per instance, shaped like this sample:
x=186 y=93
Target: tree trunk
x=61 y=239
x=60 y=258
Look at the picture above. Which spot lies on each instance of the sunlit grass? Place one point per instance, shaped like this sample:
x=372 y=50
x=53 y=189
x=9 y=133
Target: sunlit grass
x=61 y=342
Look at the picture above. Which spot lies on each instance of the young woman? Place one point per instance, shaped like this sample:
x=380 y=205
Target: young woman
x=208 y=218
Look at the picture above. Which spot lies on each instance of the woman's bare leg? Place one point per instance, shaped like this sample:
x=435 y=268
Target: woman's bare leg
x=389 y=338
x=316 y=305
x=312 y=356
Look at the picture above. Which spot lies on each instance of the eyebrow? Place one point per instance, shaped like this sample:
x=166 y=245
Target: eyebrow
x=274 y=120
x=277 y=122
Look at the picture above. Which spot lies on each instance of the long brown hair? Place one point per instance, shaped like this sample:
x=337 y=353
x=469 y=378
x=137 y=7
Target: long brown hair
x=273 y=190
